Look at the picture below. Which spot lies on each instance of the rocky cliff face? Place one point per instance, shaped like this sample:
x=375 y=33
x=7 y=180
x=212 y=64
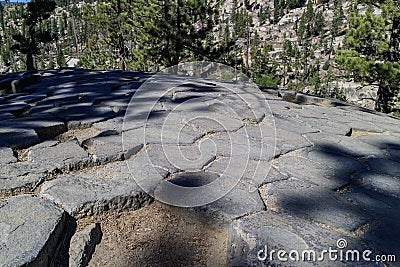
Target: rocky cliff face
x=285 y=28
x=287 y=170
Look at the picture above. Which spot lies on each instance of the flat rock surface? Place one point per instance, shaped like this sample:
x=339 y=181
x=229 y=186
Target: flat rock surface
x=30 y=229
x=297 y=172
x=66 y=156
x=21 y=177
x=7 y=155
x=269 y=231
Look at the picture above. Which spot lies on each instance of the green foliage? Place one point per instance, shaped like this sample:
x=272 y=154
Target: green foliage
x=281 y=5
x=173 y=31
x=61 y=62
x=262 y=16
x=37 y=12
x=326 y=65
x=261 y=61
x=365 y=53
x=149 y=35
x=291 y=4
x=311 y=23
x=242 y=23
x=51 y=64
x=110 y=23
x=263 y=66
x=268 y=80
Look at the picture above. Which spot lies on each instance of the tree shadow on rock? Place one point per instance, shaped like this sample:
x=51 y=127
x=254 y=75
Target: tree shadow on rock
x=368 y=206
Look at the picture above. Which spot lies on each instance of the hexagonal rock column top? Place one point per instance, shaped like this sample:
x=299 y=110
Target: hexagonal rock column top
x=30 y=228
x=256 y=239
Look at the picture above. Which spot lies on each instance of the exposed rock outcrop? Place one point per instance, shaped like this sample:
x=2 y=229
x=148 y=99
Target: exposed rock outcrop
x=287 y=170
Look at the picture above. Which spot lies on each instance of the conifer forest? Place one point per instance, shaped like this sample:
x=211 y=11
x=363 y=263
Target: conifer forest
x=320 y=47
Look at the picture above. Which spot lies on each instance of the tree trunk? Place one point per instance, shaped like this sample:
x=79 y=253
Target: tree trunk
x=121 y=43
x=383 y=97
x=394 y=44
x=386 y=90
x=29 y=61
x=31 y=47
x=178 y=43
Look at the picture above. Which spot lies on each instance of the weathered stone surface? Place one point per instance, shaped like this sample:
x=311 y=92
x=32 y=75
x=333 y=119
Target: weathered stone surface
x=60 y=98
x=30 y=98
x=315 y=203
x=308 y=170
x=112 y=147
x=286 y=124
x=16 y=108
x=364 y=125
x=30 y=228
x=146 y=172
x=46 y=127
x=7 y=155
x=253 y=173
x=21 y=177
x=249 y=235
x=244 y=108
x=322 y=169
x=344 y=145
x=343 y=163
x=5 y=84
x=83 y=244
x=84 y=117
x=382 y=183
x=289 y=141
x=117 y=106
x=394 y=154
x=180 y=157
x=85 y=196
x=17 y=137
x=237 y=145
x=169 y=134
x=384 y=234
x=236 y=203
x=96 y=191
x=26 y=131
x=46 y=109
x=385 y=166
x=66 y=156
x=20 y=184
x=382 y=141
x=215 y=123
x=110 y=125
x=6 y=116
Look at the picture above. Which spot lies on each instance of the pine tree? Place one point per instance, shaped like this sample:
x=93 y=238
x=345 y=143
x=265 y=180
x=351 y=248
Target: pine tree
x=319 y=24
x=37 y=12
x=172 y=31
x=262 y=15
x=367 y=53
x=227 y=47
x=336 y=23
x=263 y=67
x=279 y=6
x=109 y=25
x=2 y=20
x=286 y=58
x=61 y=62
